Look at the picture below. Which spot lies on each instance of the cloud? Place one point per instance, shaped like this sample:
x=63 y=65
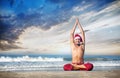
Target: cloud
x=81 y=8
x=106 y=17
x=36 y=40
x=4 y=45
x=102 y=49
x=15 y=24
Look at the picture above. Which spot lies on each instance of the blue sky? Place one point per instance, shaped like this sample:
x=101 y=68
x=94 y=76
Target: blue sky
x=43 y=26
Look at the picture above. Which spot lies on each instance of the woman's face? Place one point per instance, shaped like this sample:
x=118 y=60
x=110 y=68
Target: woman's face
x=77 y=41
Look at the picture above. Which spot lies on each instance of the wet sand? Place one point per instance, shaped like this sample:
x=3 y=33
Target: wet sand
x=62 y=74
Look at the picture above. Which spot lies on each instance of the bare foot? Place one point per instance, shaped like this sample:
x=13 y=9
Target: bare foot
x=77 y=67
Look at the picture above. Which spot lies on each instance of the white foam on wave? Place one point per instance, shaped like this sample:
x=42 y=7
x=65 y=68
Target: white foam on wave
x=106 y=63
x=29 y=59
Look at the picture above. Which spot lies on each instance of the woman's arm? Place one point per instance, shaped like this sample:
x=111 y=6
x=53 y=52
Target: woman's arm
x=72 y=32
x=82 y=34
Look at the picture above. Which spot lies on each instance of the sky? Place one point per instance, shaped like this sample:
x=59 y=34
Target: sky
x=43 y=26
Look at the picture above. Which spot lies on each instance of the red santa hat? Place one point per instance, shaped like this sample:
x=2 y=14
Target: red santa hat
x=77 y=36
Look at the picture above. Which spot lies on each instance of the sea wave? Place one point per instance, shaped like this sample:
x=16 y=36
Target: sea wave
x=54 y=65
x=29 y=59
x=106 y=63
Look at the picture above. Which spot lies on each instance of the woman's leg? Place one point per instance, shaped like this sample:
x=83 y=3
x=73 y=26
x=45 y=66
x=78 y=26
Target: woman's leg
x=77 y=67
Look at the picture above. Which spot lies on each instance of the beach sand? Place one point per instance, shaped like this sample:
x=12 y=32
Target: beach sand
x=62 y=74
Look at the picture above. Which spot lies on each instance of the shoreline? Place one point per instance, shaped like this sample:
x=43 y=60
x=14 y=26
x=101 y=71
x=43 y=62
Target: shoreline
x=61 y=74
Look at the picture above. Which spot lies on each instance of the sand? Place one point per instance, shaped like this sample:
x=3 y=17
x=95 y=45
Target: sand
x=62 y=74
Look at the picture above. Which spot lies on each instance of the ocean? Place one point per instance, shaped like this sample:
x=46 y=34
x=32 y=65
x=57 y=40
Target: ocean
x=38 y=62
